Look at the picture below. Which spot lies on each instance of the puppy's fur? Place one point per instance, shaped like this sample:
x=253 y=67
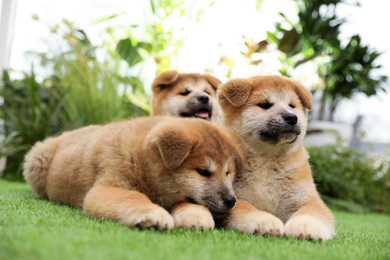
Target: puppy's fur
x=185 y=95
x=134 y=171
x=269 y=112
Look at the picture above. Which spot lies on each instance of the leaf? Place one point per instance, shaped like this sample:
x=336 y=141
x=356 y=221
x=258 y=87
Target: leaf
x=272 y=37
x=258 y=5
x=139 y=99
x=136 y=83
x=106 y=18
x=128 y=52
x=289 y=41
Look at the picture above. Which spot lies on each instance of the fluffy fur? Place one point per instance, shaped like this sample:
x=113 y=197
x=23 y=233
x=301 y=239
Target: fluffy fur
x=134 y=172
x=269 y=112
x=185 y=95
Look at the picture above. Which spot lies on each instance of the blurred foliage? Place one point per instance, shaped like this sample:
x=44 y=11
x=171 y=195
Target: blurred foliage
x=97 y=91
x=349 y=180
x=345 y=69
x=162 y=33
x=30 y=112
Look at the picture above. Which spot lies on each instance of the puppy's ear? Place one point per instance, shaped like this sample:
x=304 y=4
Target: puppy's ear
x=174 y=147
x=213 y=81
x=235 y=91
x=164 y=79
x=304 y=94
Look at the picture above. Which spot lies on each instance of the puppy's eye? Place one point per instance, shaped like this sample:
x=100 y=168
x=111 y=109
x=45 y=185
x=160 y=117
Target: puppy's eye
x=207 y=92
x=227 y=173
x=265 y=105
x=291 y=105
x=185 y=93
x=203 y=172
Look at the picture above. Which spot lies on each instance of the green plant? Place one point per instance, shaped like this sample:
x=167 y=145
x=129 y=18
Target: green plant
x=97 y=92
x=158 y=39
x=344 y=70
x=81 y=90
x=349 y=180
x=30 y=113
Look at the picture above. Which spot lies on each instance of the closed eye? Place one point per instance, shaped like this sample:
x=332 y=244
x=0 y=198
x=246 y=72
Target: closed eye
x=265 y=105
x=207 y=92
x=185 y=93
x=203 y=172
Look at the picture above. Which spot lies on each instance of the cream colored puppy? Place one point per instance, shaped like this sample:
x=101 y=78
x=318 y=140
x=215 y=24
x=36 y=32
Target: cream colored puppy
x=269 y=112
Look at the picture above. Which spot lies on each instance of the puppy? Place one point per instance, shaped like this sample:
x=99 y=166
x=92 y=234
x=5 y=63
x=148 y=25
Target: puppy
x=185 y=95
x=134 y=172
x=269 y=112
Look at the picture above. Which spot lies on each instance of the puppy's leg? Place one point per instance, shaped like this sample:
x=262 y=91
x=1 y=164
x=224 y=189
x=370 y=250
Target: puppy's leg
x=312 y=221
x=190 y=215
x=246 y=218
x=130 y=208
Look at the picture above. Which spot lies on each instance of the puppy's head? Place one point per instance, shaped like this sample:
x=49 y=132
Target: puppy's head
x=269 y=112
x=196 y=162
x=185 y=95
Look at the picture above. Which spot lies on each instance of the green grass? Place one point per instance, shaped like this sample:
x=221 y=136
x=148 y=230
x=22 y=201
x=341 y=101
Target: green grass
x=31 y=228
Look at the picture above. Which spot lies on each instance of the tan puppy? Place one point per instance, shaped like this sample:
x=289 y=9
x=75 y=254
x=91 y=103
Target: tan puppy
x=134 y=171
x=269 y=112
x=185 y=95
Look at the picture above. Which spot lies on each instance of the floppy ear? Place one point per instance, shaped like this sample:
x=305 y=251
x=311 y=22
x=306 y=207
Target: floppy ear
x=304 y=94
x=174 y=147
x=213 y=81
x=236 y=91
x=164 y=79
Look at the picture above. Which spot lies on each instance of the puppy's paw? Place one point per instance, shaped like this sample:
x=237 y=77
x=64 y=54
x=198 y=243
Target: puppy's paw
x=308 y=227
x=193 y=216
x=151 y=216
x=258 y=223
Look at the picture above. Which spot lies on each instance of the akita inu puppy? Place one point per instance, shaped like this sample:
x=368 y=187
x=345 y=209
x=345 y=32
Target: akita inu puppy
x=134 y=172
x=185 y=95
x=269 y=112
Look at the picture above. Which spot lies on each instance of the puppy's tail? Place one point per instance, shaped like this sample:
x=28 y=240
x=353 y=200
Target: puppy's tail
x=37 y=164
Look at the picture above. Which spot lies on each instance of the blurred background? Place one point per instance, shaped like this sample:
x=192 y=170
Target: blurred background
x=66 y=64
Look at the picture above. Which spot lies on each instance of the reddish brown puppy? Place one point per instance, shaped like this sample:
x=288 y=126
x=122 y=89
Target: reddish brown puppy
x=185 y=95
x=134 y=172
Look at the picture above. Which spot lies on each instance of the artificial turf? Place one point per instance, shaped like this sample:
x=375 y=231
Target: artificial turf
x=31 y=228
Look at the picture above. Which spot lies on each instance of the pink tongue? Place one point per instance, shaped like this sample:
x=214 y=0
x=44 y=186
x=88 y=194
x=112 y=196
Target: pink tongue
x=202 y=114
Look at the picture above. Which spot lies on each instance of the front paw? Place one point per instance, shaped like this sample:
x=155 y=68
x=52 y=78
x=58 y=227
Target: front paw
x=256 y=222
x=308 y=227
x=193 y=216
x=152 y=216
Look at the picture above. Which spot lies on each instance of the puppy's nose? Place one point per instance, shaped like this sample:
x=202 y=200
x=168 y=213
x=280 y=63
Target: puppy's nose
x=290 y=118
x=203 y=99
x=229 y=201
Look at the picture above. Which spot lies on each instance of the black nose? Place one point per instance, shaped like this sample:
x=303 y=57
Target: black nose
x=229 y=201
x=203 y=99
x=290 y=118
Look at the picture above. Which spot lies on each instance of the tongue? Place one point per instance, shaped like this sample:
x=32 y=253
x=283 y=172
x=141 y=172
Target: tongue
x=202 y=114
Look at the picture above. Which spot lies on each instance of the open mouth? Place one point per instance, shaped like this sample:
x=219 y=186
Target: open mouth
x=202 y=113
